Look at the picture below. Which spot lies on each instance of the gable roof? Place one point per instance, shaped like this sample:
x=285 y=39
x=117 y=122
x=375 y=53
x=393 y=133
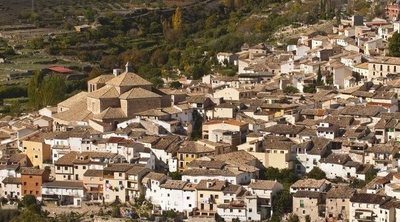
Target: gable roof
x=73 y=100
x=101 y=79
x=128 y=79
x=110 y=113
x=136 y=93
x=105 y=92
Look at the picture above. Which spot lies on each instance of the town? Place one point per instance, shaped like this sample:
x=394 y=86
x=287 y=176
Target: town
x=306 y=132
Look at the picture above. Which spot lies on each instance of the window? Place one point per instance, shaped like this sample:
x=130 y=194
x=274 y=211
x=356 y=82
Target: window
x=58 y=168
x=187 y=198
x=76 y=167
x=250 y=210
x=216 y=196
x=36 y=156
x=302 y=203
x=201 y=195
x=66 y=168
x=36 y=184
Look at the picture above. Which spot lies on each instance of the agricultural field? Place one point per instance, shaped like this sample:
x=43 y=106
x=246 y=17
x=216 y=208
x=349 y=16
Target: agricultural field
x=58 y=12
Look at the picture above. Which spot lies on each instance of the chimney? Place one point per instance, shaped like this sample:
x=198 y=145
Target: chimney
x=116 y=72
x=128 y=67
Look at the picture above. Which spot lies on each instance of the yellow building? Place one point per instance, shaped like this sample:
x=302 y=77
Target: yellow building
x=36 y=150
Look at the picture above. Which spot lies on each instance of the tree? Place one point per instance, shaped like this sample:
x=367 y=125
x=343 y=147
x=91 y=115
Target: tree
x=175 y=175
x=316 y=173
x=116 y=212
x=293 y=218
x=95 y=72
x=170 y=214
x=53 y=90
x=197 y=126
x=236 y=219
x=310 y=89
x=69 y=217
x=177 y=20
x=175 y=85
x=281 y=204
x=15 y=108
x=394 y=45
x=34 y=89
x=43 y=91
x=290 y=90
x=284 y=176
x=29 y=216
x=319 y=77
x=308 y=218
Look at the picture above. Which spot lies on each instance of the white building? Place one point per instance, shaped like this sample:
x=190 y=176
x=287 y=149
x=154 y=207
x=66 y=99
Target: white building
x=66 y=192
x=366 y=207
x=178 y=196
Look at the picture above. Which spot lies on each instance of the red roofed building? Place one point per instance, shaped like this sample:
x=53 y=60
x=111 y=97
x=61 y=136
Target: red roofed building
x=60 y=69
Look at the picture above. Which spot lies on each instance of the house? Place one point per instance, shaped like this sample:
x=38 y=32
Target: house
x=234 y=94
x=290 y=131
x=201 y=103
x=309 y=204
x=366 y=207
x=116 y=183
x=279 y=153
x=225 y=58
x=32 y=180
x=310 y=153
x=209 y=196
x=225 y=111
x=152 y=184
x=164 y=149
x=382 y=156
x=178 y=195
x=210 y=129
x=12 y=188
x=338 y=202
x=341 y=166
x=265 y=190
x=249 y=208
x=93 y=184
x=65 y=193
x=135 y=174
x=310 y=185
x=36 y=150
x=381 y=67
x=191 y=150
x=388 y=100
x=328 y=131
